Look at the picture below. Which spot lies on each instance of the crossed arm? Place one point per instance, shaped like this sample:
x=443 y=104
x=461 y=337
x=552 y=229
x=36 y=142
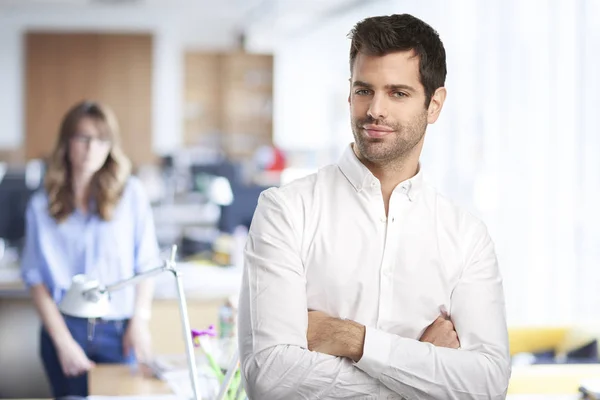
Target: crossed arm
x=287 y=352
x=346 y=338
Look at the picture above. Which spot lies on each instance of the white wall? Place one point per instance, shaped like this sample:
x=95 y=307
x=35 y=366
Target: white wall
x=173 y=32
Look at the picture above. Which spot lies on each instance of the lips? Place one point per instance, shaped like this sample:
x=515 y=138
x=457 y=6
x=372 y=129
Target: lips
x=377 y=131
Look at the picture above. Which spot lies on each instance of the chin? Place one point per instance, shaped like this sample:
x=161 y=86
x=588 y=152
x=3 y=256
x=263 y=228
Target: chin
x=90 y=169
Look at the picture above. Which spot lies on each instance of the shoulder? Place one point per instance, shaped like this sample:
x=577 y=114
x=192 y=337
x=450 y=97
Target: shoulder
x=302 y=192
x=458 y=220
x=38 y=202
x=305 y=187
x=134 y=190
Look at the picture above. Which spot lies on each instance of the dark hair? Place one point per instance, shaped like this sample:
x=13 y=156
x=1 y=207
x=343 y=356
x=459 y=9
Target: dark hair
x=402 y=32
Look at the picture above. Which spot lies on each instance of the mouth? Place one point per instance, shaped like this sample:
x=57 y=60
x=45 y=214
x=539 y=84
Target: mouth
x=377 y=131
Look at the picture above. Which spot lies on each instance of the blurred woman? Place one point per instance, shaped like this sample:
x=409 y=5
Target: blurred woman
x=93 y=218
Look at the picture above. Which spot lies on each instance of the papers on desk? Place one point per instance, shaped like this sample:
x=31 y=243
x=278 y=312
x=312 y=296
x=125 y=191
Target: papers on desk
x=179 y=382
x=174 y=371
x=590 y=389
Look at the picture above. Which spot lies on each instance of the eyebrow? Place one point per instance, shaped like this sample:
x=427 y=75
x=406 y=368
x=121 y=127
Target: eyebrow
x=389 y=86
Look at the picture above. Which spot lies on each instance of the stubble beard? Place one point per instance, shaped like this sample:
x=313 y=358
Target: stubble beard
x=392 y=149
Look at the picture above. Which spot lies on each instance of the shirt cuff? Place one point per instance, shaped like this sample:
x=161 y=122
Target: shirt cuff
x=376 y=352
x=31 y=277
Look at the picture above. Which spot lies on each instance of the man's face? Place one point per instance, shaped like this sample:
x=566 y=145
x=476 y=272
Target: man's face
x=387 y=106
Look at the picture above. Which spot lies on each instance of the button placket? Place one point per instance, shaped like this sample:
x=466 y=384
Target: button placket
x=387 y=266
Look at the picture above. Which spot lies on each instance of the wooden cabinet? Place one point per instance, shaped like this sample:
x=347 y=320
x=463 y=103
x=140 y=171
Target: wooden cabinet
x=228 y=101
x=64 y=68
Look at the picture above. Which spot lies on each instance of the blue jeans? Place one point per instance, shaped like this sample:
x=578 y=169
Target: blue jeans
x=106 y=346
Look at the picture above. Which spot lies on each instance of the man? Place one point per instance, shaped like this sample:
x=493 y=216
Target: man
x=361 y=281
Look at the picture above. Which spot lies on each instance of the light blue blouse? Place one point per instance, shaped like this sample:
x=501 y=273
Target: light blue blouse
x=85 y=244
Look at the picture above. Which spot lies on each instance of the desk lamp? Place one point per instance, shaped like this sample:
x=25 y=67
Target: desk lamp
x=87 y=298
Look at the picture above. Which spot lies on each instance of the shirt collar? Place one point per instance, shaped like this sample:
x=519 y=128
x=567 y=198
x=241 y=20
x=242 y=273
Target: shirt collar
x=361 y=178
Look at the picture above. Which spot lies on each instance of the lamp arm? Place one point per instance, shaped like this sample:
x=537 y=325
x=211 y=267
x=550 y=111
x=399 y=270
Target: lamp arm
x=139 y=277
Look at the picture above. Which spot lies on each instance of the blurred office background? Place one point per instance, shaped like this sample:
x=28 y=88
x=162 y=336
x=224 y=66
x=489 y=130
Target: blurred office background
x=218 y=100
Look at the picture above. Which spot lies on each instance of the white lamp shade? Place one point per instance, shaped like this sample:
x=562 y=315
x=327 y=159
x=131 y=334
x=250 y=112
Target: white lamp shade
x=85 y=299
x=220 y=191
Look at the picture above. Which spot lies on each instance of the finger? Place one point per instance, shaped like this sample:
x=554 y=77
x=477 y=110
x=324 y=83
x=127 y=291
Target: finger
x=447 y=325
x=457 y=342
x=140 y=355
x=126 y=348
x=145 y=369
x=72 y=370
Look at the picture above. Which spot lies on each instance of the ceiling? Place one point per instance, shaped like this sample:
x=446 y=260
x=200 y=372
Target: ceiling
x=262 y=6
x=265 y=18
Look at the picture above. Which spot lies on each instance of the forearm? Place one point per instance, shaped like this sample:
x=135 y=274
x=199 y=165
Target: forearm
x=420 y=370
x=412 y=368
x=50 y=315
x=286 y=371
x=143 y=299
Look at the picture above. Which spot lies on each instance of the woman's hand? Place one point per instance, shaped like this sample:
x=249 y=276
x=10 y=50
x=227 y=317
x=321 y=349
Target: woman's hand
x=73 y=360
x=137 y=338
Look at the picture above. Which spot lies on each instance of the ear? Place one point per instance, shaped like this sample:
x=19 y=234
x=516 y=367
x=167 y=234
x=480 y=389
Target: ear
x=436 y=104
x=349 y=89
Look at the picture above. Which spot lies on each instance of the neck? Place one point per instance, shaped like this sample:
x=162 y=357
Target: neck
x=391 y=174
x=81 y=189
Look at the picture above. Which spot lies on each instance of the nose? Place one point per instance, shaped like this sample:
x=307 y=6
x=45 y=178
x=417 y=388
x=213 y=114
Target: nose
x=96 y=144
x=378 y=107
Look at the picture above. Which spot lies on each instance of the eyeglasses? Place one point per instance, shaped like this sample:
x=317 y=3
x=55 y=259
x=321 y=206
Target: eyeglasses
x=86 y=139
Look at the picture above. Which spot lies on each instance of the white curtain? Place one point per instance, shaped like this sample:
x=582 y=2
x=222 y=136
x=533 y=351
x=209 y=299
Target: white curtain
x=518 y=142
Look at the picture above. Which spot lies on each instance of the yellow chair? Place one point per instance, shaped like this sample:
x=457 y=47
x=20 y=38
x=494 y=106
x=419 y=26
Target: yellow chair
x=560 y=339
x=552 y=378
x=536 y=339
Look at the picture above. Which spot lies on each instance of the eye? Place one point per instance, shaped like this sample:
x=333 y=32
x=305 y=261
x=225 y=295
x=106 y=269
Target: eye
x=399 y=94
x=362 y=92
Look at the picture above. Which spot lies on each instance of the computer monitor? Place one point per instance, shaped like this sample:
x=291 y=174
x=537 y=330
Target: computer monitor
x=241 y=210
x=14 y=197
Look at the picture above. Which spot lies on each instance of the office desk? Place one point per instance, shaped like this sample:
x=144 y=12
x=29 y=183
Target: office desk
x=112 y=380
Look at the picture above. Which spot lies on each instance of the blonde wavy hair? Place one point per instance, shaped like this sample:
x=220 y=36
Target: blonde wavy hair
x=107 y=183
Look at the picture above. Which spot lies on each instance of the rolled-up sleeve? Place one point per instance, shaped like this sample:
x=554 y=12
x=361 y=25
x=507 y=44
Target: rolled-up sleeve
x=31 y=261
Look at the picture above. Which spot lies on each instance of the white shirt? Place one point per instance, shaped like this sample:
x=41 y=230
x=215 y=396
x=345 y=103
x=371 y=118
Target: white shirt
x=324 y=243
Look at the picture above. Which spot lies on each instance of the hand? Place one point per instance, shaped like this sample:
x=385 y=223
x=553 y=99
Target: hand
x=137 y=338
x=333 y=336
x=441 y=333
x=73 y=360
